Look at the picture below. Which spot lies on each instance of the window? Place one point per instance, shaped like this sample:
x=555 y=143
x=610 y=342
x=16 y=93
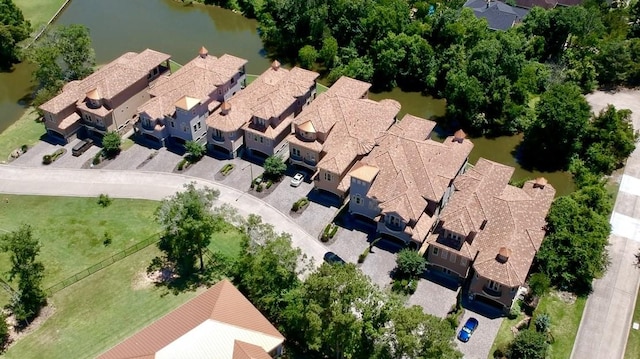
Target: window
x=494 y=285
x=435 y=251
x=513 y=289
x=357 y=199
x=255 y=138
x=184 y=127
x=443 y=254
x=327 y=176
x=99 y=121
x=233 y=80
x=173 y=124
x=395 y=221
x=463 y=261
x=453 y=258
x=199 y=125
x=195 y=127
x=87 y=117
x=217 y=133
x=261 y=139
x=295 y=152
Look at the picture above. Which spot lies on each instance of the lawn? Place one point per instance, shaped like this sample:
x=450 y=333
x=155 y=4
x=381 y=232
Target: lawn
x=72 y=230
x=633 y=345
x=505 y=335
x=39 y=12
x=26 y=131
x=100 y=311
x=565 y=320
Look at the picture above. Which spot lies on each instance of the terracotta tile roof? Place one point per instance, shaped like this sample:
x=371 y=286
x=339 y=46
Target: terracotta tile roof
x=364 y=172
x=348 y=88
x=198 y=79
x=109 y=80
x=413 y=171
x=270 y=95
x=201 y=327
x=186 y=102
x=229 y=120
x=69 y=120
x=515 y=219
x=315 y=146
x=101 y=111
x=242 y=350
x=414 y=128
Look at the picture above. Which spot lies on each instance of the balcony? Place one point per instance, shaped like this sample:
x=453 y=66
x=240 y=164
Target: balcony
x=310 y=161
x=491 y=292
x=217 y=140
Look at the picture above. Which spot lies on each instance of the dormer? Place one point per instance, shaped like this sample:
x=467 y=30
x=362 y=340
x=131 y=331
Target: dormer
x=186 y=104
x=540 y=182
x=307 y=131
x=275 y=65
x=94 y=99
x=203 y=53
x=225 y=108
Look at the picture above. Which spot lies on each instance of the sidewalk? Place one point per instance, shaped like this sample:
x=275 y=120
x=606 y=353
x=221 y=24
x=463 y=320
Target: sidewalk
x=147 y=185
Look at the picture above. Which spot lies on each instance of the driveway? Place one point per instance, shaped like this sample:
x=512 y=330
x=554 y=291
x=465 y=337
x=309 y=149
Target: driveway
x=479 y=346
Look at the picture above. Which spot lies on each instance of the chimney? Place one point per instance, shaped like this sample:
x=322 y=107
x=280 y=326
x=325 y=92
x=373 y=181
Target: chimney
x=503 y=254
x=540 y=182
x=225 y=108
x=203 y=52
x=459 y=136
x=275 y=65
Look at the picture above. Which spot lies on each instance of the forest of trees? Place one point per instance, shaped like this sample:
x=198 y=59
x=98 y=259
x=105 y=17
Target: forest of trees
x=13 y=29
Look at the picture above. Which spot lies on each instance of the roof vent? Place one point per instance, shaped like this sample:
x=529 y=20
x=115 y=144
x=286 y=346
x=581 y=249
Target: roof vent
x=503 y=254
x=275 y=65
x=225 y=108
x=483 y=224
x=459 y=136
x=203 y=52
x=540 y=182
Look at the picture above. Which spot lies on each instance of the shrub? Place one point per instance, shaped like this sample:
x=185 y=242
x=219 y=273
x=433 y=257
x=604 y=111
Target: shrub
x=529 y=344
x=539 y=284
x=454 y=315
x=329 y=231
x=195 y=151
x=515 y=309
x=104 y=200
x=543 y=322
x=364 y=255
x=405 y=286
x=182 y=164
x=297 y=205
x=4 y=332
x=107 y=239
x=24 y=149
x=259 y=187
x=410 y=263
x=227 y=168
x=269 y=184
x=47 y=159
x=97 y=158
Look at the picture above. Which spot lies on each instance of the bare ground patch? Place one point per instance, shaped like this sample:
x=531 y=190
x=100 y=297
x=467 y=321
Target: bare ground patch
x=15 y=334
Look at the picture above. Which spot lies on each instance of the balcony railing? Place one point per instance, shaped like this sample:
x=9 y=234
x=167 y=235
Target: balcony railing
x=310 y=162
x=491 y=292
x=217 y=139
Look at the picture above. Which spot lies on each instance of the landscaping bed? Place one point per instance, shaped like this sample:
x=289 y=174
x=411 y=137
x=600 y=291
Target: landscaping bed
x=224 y=171
x=50 y=158
x=299 y=206
x=262 y=188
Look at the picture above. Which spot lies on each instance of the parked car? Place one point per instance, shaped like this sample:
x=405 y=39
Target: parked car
x=81 y=147
x=333 y=258
x=469 y=327
x=297 y=179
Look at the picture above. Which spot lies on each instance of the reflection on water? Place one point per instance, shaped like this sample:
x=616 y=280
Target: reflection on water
x=15 y=87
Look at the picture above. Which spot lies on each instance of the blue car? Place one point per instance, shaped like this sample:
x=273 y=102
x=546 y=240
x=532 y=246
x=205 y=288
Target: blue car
x=468 y=329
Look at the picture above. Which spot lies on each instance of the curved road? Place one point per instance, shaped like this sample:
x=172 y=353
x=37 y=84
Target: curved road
x=147 y=185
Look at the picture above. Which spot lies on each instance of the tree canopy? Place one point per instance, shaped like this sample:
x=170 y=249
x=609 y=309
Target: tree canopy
x=13 y=29
x=23 y=250
x=111 y=143
x=187 y=224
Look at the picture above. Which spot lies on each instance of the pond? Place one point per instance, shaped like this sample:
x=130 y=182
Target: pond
x=118 y=26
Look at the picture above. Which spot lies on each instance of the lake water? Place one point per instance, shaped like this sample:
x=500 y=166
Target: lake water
x=118 y=26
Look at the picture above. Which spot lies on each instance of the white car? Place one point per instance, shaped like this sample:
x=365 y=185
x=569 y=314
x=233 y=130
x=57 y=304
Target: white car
x=297 y=179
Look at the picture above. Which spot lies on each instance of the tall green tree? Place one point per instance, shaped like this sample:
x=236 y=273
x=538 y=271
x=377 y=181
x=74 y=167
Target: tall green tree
x=23 y=250
x=13 y=29
x=111 y=143
x=74 y=44
x=187 y=224
x=529 y=344
x=307 y=56
x=274 y=167
x=268 y=269
x=562 y=118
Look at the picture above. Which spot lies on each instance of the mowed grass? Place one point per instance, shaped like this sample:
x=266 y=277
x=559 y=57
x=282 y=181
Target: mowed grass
x=100 y=311
x=565 y=320
x=505 y=335
x=106 y=307
x=633 y=345
x=38 y=12
x=26 y=131
x=71 y=230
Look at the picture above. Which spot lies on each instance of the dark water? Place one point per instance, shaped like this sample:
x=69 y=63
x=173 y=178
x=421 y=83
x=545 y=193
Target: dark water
x=118 y=26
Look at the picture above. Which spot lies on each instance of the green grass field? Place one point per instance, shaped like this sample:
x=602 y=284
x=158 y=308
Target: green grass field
x=633 y=345
x=38 y=12
x=565 y=320
x=101 y=310
x=25 y=131
x=505 y=335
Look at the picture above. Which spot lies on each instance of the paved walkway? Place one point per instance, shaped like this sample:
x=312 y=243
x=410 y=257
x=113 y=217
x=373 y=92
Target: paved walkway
x=147 y=185
x=606 y=321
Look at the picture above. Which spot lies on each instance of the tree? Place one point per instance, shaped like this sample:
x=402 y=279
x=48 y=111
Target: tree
x=268 y=269
x=111 y=144
x=609 y=140
x=187 y=224
x=529 y=344
x=4 y=333
x=23 y=249
x=13 y=29
x=274 y=167
x=195 y=151
x=411 y=333
x=307 y=56
x=410 y=263
x=562 y=117
x=539 y=284
x=329 y=51
x=74 y=44
x=574 y=250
